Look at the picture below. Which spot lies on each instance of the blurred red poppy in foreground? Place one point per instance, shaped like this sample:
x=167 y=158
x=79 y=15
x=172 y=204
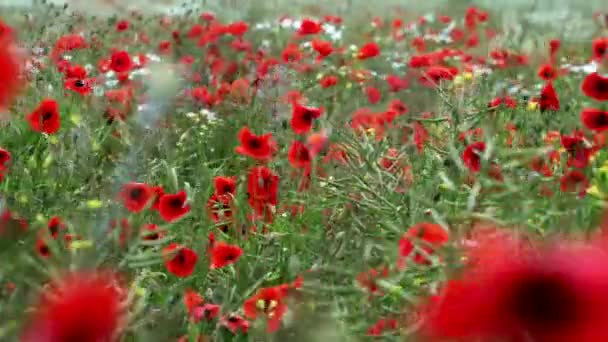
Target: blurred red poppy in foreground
x=515 y=293
x=595 y=86
x=9 y=68
x=595 y=119
x=81 y=307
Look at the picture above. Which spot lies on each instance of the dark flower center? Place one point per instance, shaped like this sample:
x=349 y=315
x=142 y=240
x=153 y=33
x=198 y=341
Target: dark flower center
x=180 y=257
x=136 y=193
x=255 y=143
x=176 y=203
x=53 y=229
x=79 y=84
x=303 y=155
x=602 y=86
x=154 y=236
x=47 y=116
x=601 y=120
x=307 y=116
x=227 y=188
x=44 y=250
x=544 y=303
x=3 y=157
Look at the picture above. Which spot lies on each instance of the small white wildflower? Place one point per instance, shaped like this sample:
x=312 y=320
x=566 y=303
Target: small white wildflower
x=111 y=83
x=286 y=23
x=209 y=115
x=152 y=57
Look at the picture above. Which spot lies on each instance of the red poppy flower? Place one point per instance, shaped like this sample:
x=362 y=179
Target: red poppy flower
x=302 y=118
x=430 y=236
x=207 y=312
x=263 y=185
x=179 y=260
x=369 y=50
x=554 y=45
x=291 y=53
x=547 y=72
x=80 y=86
x=328 y=81
x=42 y=248
x=237 y=29
x=76 y=71
x=224 y=186
x=192 y=300
x=235 y=323
x=382 y=326
x=373 y=95
x=579 y=153
x=79 y=307
x=5 y=159
x=220 y=211
x=309 y=26
x=67 y=43
x=600 y=48
x=548 y=98
x=395 y=83
x=471 y=157
x=151 y=232
x=45 y=118
x=299 y=155
x=506 y=101
x=433 y=76
x=398 y=106
x=164 y=47
x=556 y=294
x=223 y=254
x=317 y=142
x=136 y=196
x=158 y=193
x=54 y=226
x=6 y=32
x=268 y=302
x=595 y=86
x=122 y=25
x=10 y=69
x=259 y=147
x=595 y=119
x=121 y=62
x=574 y=181
x=172 y=207
x=322 y=47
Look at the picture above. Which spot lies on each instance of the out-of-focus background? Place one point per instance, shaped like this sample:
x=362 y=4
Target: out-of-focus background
x=171 y=5
x=566 y=19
